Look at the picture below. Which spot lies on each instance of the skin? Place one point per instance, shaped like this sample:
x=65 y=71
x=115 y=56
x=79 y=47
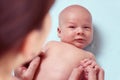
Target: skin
x=24 y=73
x=60 y=58
x=24 y=28
x=31 y=46
x=75 y=27
x=76 y=32
x=27 y=74
x=93 y=70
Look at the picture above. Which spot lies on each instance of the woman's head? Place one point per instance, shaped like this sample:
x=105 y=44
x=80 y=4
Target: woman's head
x=18 y=19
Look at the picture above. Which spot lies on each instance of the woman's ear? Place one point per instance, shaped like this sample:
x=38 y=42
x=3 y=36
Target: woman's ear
x=30 y=45
x=34 y=41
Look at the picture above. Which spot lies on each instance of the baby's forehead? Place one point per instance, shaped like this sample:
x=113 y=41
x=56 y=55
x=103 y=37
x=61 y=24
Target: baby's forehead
x=74 y=10
x=76 y=17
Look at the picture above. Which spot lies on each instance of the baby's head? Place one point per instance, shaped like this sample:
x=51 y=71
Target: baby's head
x=75 y=26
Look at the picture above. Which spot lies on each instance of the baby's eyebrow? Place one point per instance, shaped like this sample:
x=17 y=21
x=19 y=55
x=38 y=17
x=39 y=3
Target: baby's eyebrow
x=89 y=25
x=71 y=23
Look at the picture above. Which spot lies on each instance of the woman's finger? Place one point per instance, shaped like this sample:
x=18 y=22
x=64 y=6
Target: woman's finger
x=18 y=72
x=32 y=68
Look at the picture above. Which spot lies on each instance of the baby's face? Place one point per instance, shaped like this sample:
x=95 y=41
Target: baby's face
x=76 y=28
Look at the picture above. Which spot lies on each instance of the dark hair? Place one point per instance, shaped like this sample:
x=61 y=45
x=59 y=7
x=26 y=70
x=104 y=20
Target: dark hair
x=18 y=18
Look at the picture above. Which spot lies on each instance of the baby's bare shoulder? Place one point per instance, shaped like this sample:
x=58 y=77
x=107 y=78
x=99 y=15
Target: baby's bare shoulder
x=52 y=43
x=48 y=45
x=91 y=55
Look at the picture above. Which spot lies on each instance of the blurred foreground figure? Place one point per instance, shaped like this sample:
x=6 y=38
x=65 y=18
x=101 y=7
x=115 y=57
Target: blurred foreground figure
x=24 y=25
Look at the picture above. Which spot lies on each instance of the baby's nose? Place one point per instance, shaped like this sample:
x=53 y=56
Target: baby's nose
x=80 y=31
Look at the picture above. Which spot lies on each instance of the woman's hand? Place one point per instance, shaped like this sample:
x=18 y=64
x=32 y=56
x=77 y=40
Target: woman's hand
x=23 y=73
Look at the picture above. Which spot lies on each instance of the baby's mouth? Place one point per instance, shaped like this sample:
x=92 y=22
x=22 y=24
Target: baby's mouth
x=80 y=40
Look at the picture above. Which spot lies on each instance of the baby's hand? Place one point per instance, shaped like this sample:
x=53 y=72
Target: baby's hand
x=90 y=73
x=92 y=70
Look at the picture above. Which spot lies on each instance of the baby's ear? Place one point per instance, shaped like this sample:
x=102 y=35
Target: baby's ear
x=59 y=31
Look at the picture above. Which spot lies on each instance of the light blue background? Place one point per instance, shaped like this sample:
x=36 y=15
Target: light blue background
x=106 y=21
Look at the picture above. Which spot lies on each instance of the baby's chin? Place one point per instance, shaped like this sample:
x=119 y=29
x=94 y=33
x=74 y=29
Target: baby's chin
x=80 y=46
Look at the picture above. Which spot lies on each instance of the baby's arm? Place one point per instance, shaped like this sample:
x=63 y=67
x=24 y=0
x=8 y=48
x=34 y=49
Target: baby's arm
x=76 y=73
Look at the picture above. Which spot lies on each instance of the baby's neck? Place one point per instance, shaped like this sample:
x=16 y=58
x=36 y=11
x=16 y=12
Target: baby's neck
x=71 y=44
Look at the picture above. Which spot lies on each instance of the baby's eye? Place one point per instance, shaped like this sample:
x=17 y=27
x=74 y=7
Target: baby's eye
x=86 y=27
x=71 y=26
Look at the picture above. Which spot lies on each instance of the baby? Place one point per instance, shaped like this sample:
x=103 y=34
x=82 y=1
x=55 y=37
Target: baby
x=76 y=32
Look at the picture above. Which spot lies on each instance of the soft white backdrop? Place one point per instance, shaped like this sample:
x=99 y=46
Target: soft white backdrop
x=106 y=22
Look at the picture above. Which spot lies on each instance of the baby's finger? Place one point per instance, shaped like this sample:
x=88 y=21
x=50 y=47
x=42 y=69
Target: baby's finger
x=93 y=64
x=97 y=68
x=89 y=62
x=84 y=60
